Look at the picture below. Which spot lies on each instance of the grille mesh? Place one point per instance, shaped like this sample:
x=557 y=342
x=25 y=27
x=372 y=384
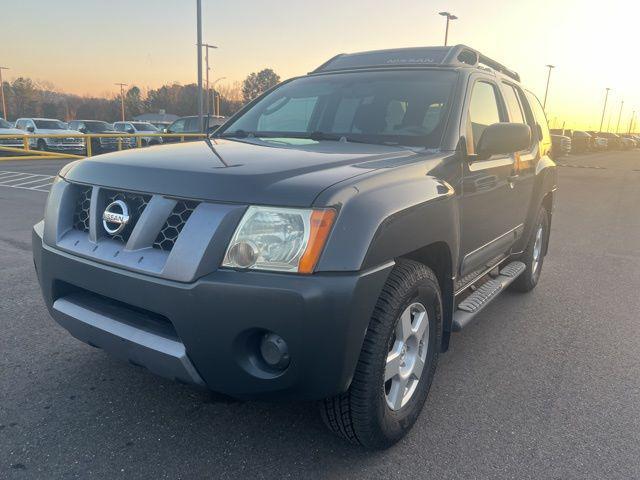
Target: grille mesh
x=136 y=203
x=167 y=237
x=81 y=212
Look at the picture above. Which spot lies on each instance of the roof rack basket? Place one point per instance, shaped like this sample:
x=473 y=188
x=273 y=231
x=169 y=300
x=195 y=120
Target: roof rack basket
x=461 y=54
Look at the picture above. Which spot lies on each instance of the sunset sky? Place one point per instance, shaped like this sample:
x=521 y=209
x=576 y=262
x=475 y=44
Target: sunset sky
x=85 y=46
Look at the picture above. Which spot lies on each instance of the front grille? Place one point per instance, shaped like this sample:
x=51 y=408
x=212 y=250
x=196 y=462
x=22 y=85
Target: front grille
x=81 y=212
x=168 y=235
x=136 y=203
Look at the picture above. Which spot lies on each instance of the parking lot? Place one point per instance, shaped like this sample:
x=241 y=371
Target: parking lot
x=544 y=385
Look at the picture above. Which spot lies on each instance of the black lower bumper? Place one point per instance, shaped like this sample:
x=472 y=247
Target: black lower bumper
x=204 y=332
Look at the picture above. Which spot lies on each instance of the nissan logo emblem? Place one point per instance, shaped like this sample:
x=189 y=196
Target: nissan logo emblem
x=115 y=217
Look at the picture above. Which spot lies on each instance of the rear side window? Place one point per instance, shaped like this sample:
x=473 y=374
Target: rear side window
x=483 y=109
x=541 y=118
x=516 y=114
x=191 y=125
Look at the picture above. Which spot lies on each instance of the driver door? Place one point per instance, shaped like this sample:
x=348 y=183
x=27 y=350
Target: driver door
x=490 y=224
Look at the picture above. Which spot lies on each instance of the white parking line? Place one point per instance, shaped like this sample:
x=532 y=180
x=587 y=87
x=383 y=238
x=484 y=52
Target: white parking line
x=26 y=181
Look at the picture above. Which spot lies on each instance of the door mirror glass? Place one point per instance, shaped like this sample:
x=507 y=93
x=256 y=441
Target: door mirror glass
x=503 y=139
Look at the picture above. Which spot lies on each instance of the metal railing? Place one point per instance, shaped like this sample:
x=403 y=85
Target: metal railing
x=82 y=149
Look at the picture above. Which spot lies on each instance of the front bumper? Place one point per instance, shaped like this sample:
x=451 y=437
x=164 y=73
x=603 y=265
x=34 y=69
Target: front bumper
x=212 y=323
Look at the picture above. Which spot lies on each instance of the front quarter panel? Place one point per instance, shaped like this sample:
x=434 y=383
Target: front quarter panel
x=393 y=212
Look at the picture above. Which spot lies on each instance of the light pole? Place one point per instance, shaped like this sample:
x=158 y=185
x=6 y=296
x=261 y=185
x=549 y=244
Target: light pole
x=446 y=32
x=206 y=56
x=619 y=116
x=546 y=91
x=122 y=85
x=199 y=35
x=216 y=97
x=604 y=109
x=4 y=103
x=631 y=121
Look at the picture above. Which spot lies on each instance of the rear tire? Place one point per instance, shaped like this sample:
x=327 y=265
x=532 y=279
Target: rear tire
x=397 y=362
x=533 y=256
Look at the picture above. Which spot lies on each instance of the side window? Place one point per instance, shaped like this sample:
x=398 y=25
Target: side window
x=541 y=118
x=178 y=126
x=191 y=125
x=119 y=127
x=20 y=125
x=483 y=109
x=516 y=114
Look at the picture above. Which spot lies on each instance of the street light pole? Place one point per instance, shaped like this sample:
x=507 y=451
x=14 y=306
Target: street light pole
x=604 y=109
x=122 y=85
x=4 y=103
x=619 y=116
x=546 y=91
x=446 y=31
x=631 y=121
x=199 y=35
x=207 y=46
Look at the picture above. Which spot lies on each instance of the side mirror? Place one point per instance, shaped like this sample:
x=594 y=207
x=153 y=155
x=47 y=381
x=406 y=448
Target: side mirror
x=165 y=130
x=30 y=129
x=82 y=130
x=502 y=139
x=130 y=130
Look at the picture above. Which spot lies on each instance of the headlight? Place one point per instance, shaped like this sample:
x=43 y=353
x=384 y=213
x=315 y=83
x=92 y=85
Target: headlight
x=279 y=239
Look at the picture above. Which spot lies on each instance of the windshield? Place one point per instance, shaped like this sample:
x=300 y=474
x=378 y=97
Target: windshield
x=50 y=124
x=394 y=107
x=97 y=127
x=144 y=127
x=5 y=124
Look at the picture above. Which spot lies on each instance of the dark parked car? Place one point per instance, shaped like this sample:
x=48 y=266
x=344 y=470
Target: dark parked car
x=190 y=125
x=561 y=145
x=599 y=142
x=614 y=142
x=99 y=144
x=323 y=245
x=581 y=142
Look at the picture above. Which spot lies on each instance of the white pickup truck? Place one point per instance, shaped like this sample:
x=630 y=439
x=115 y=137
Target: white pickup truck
x=46 y=126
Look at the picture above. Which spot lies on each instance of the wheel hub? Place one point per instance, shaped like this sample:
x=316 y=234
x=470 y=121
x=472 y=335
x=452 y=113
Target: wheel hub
x=407 y=356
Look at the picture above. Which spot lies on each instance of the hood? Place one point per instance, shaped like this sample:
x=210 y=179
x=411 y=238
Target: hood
x=54 y=131
x=274 y=172
x=11 y=131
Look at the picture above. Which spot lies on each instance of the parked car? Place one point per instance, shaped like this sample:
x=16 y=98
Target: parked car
x=561 y=145
x=139 y=127
x=309 y=252
x=190 y=125
x=600 y=143
x=633 y=138
x=51 y=126
x=581 y=142
x=614 y=142
x=100 y=144
x=7 y=128
x=627 y=143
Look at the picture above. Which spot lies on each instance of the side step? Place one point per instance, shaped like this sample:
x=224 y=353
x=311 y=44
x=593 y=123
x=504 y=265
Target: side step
x=474 y=303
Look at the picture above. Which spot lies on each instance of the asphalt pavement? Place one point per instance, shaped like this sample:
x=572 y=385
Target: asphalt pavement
x=544 y=385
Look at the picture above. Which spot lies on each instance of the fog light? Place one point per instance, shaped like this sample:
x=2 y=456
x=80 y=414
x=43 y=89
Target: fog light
x=274 y=351
x=243 y=254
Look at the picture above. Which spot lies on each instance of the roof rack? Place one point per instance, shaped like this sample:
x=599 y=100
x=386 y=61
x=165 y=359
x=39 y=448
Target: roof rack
x=458 y=55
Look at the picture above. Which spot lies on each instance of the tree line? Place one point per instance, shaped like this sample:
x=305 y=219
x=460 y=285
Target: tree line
x=25 y=97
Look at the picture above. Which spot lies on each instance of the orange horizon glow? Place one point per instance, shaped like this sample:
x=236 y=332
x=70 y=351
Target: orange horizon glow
x=84 y=48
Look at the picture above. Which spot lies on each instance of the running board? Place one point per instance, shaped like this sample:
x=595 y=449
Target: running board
x=474 y=303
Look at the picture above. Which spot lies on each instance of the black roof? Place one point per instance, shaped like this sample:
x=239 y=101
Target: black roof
x=457 y=56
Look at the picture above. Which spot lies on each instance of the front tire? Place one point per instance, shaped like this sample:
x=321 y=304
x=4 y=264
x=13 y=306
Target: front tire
x=397 y=362
x=533 y=256
x=42 y=145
